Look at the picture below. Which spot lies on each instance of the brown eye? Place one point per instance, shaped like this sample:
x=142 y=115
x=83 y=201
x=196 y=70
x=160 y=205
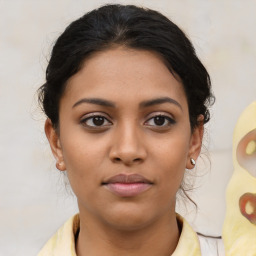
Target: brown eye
x=96 y=121
x=160 y=121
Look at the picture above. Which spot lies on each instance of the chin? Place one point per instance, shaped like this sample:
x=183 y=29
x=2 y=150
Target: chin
x=129 y=218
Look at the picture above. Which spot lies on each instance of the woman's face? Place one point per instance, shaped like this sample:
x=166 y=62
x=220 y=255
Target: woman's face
x=124 y=137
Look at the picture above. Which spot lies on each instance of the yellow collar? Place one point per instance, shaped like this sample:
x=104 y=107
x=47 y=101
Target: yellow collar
x=63 y=242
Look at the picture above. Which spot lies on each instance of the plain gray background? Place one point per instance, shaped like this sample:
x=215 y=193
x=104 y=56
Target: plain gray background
x=34 y=201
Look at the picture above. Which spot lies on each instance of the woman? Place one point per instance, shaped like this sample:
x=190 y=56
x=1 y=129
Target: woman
x=126 y=99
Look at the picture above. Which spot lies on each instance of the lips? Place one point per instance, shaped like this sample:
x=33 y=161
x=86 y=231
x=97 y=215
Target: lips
x=127 y=185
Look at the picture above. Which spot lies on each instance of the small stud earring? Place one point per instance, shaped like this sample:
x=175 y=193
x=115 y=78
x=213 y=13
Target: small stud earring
x=192 y=161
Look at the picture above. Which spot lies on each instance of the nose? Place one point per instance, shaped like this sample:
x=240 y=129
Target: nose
x=127 y=146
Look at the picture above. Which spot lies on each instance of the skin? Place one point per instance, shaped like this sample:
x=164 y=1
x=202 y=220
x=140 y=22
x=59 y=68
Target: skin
x=128 y=142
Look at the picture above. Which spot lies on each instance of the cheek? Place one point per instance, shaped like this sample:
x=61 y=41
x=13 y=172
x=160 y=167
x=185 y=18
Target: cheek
x=170 y=157
x=83 y=157
x=172 y=151
x=80 y=149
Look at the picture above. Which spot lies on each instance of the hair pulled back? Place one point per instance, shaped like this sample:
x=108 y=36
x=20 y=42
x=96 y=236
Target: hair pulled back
x=133 y=27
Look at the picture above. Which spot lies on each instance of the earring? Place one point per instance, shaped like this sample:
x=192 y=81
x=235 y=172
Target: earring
x=59 y=165
x=192 y=161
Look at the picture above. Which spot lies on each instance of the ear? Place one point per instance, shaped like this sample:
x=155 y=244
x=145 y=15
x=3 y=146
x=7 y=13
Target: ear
x=195 y=142
x=55 y=145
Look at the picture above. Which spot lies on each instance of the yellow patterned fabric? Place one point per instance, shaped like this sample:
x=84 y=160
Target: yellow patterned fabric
x=63 y=242
x=239 y=228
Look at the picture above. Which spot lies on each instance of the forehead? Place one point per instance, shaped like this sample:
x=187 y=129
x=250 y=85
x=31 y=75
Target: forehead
x=123 y=73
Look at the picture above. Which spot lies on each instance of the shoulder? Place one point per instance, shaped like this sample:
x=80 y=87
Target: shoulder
x=193 y=244
x=63 y=242
x=188 y=243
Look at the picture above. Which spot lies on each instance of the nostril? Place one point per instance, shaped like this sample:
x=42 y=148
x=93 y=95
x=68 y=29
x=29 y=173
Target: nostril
x=127 y=161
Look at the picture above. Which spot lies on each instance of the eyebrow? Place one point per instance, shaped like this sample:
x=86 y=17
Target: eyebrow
x=95 y=101
x=144 y=104
x=157 y=101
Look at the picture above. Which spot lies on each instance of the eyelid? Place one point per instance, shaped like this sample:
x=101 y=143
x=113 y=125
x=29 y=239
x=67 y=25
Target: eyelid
x=92 y=114
x=159 y=113
x=95 y=114
x=169 y=117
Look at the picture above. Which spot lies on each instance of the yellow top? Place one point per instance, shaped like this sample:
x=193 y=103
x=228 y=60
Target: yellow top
x=63 y=242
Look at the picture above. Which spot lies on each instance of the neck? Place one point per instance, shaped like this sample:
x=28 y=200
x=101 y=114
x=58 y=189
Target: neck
x=158 y=238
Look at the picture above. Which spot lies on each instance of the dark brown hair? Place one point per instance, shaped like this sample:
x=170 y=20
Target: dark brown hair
x=133 y=27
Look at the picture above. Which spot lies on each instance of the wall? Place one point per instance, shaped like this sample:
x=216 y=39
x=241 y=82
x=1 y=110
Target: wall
x=33 y=199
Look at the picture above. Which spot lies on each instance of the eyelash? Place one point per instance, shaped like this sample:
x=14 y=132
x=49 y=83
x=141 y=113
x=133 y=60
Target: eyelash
x=90 y=118
x=167 y=122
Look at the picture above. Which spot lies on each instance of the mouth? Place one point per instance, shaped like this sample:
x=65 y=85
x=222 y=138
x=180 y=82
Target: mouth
x=127 y=185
